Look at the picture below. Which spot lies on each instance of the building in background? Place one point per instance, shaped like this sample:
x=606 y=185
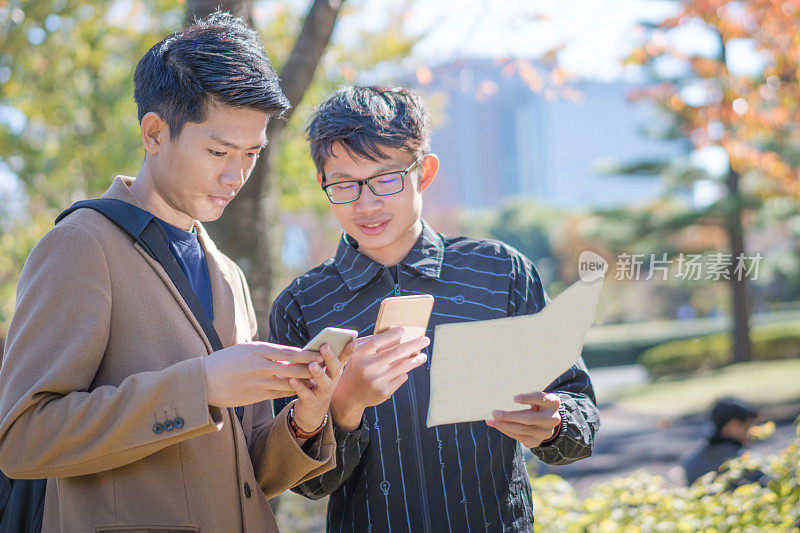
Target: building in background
x=497 y=138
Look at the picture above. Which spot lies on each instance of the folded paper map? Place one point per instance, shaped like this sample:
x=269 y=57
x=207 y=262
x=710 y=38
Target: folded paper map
x=477 y=367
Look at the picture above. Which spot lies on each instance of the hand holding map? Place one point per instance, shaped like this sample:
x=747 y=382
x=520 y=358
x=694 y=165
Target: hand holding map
x=478 y=367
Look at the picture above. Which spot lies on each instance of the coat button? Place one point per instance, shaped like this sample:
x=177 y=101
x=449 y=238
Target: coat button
x=168 y=425
x=178 y=422
x=247 y=492
x=158 y=428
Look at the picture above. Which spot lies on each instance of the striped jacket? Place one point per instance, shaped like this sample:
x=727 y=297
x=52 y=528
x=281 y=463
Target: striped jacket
x=393 y=473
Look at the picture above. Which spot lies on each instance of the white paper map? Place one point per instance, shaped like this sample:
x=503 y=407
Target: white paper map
x=478 y=367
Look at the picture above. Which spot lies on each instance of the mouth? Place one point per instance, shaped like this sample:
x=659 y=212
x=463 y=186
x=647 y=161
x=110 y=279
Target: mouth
x=372 y=228
x=221 y=201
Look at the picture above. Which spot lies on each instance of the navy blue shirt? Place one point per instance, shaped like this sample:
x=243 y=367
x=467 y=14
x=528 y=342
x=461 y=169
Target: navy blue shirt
x=192 y=260
x=394 y=473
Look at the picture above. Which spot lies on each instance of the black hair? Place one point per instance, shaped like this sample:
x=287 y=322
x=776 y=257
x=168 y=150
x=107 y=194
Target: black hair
x=730 y=408
x=216 y=60
x=365 y=119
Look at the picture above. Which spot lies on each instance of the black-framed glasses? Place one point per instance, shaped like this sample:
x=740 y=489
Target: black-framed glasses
x=384 y=184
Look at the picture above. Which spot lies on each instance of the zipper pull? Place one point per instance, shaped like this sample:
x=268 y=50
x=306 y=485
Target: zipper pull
x=397 y=283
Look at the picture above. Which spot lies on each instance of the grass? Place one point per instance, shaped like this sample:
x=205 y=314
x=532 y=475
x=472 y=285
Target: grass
x=763 y=383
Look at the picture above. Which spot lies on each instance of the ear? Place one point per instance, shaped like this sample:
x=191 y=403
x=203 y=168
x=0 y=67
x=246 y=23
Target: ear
x=430 y=166
x=319 y=178
x=154 y=132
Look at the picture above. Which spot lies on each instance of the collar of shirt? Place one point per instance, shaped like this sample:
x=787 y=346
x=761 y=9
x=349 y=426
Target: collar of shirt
x=356 y=269
x=178 y=235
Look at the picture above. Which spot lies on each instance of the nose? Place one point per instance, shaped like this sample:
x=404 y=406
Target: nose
x=234 y=175
x=368 y=201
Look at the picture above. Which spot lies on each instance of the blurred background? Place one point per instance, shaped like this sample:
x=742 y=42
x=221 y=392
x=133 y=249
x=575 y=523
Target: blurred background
x=661 y=135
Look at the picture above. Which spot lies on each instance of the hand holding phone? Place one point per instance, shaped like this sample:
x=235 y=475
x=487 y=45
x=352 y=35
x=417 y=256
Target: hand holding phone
x=411 y=312
x=314 y=395
x=336 y=338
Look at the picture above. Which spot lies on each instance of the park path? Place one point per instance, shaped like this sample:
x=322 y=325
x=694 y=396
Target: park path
x=629 y=441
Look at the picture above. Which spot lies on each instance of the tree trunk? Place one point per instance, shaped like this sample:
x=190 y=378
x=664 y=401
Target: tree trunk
x=249 y=230
x=742 y=346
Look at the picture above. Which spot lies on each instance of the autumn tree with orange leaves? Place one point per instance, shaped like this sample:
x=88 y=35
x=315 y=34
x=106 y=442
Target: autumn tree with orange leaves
x=751 y=116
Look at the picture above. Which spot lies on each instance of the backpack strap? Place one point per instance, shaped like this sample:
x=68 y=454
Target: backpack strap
x=141 y=225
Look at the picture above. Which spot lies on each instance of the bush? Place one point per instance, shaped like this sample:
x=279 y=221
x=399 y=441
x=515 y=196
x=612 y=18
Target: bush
x=682 y=357
x=776 y=343
x=642 y=502
x=687 y=356
x=623 y=344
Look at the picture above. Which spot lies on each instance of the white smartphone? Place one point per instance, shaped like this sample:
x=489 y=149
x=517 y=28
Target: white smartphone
x=336 y=338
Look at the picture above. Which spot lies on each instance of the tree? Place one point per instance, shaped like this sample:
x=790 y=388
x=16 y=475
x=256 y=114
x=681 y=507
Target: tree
x=748 y=116
x=66 y=110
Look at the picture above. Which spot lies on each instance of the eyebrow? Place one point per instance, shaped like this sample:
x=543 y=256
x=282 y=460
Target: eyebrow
x=229 y=144
x=380 y=170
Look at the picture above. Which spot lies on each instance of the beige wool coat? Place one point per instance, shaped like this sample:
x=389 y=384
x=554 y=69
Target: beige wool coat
x=102 y=348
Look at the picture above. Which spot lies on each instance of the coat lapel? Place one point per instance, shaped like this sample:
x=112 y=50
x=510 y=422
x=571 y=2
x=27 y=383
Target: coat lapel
x=222 y=299
x=221 y=295
x=175 y=293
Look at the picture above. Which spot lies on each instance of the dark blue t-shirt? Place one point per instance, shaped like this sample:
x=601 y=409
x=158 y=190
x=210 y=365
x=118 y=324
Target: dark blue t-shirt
x=189 y=255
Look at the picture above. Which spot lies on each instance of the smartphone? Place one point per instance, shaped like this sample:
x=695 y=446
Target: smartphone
x=336 y=338
x=411 y=312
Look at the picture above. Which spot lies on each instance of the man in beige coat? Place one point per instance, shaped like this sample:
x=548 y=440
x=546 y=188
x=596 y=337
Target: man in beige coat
x=107 y=388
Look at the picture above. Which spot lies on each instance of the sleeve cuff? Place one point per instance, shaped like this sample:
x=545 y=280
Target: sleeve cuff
x=282 y=463
x=315 y=451
x=342 y=434
x=561 y=430
x=177 y=413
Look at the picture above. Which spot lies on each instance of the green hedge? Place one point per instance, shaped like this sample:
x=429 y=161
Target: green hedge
x=642 y=502
x=623 y=344
x=686 y=356
x=615 y=354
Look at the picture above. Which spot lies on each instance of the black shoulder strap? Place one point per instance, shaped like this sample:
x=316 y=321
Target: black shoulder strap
x=142 y=226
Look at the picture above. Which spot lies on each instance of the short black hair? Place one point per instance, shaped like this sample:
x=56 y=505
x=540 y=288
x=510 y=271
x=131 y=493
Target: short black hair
x=364 y=119
x=730 y=408
x=216 y=60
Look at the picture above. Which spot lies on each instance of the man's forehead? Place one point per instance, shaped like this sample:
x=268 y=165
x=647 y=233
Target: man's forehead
x=239 y=142
x=227 y=120
x=234 y=135
x=346 y=162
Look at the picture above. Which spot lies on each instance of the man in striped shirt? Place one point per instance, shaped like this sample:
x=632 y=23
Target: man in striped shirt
x=370 y=147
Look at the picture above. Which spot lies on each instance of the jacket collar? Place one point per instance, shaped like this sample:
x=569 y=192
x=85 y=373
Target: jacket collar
x=222 y=299
x=356 y=269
